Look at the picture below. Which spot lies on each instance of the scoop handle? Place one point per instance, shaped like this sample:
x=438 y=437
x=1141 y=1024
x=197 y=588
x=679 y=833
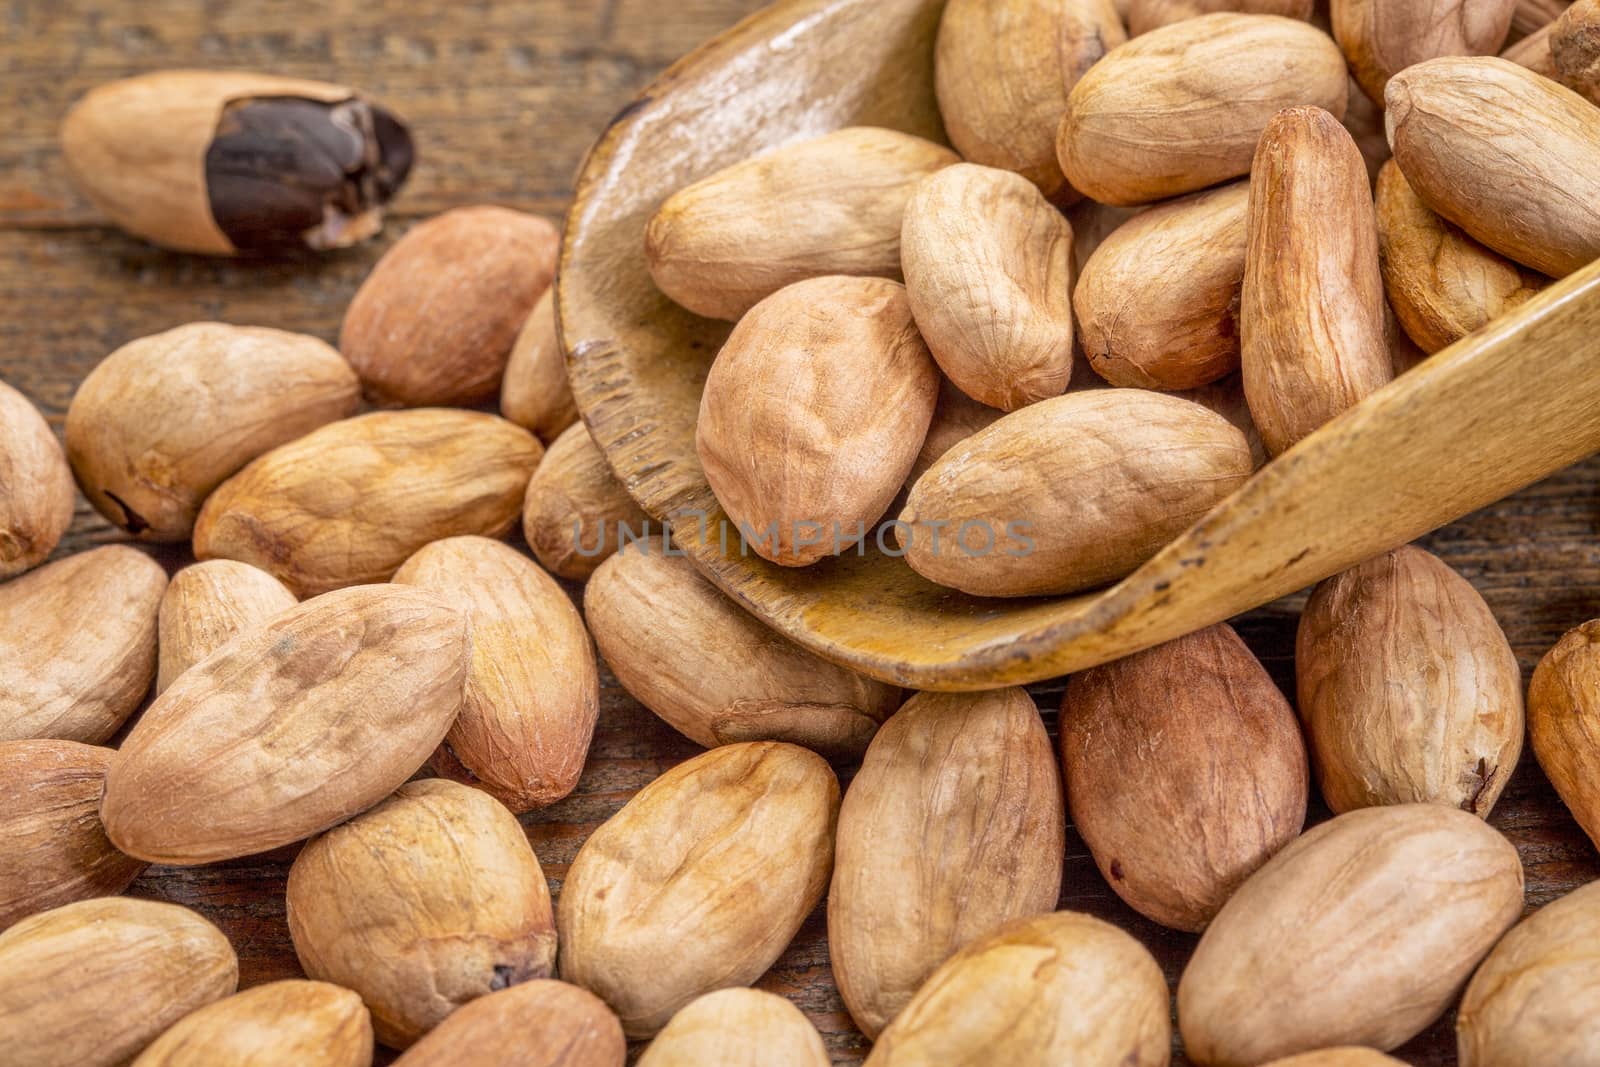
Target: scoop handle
x=1489 y=415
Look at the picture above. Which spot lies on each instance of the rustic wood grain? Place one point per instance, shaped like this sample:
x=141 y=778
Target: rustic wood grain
x=504 y=99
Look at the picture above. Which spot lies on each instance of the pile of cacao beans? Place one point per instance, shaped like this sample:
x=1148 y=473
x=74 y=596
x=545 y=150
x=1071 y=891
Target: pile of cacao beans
x=1152 y=258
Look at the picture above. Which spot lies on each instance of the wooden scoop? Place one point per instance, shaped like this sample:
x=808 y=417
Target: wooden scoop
x=1492 y=414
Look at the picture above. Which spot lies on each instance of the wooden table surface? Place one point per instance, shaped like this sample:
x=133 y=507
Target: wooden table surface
x=503 y=100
